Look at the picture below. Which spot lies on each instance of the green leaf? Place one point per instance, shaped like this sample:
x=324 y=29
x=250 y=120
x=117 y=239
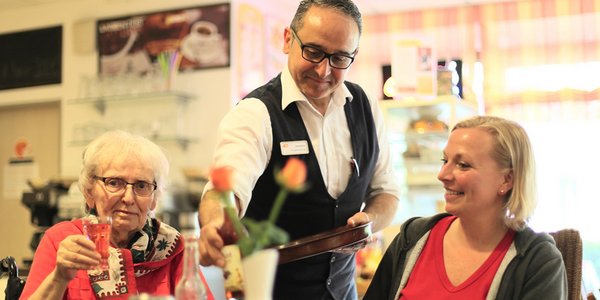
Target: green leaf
x=261 y=234
x=246 y=246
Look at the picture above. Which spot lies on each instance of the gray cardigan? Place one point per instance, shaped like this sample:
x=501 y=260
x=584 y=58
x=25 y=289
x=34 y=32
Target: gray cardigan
x=531 y=269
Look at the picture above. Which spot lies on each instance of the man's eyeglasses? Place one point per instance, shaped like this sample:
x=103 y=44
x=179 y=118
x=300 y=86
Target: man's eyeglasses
x=316 y=55
x=116 y=185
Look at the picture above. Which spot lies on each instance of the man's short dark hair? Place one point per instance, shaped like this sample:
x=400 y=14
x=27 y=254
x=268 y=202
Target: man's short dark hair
x=346 y=7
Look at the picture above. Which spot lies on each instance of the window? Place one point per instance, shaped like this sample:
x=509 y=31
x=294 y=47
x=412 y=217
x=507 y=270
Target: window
x=566 y=147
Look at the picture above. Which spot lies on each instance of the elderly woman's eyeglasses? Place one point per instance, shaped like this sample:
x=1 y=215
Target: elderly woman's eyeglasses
x=316 y=55
x=116 y=185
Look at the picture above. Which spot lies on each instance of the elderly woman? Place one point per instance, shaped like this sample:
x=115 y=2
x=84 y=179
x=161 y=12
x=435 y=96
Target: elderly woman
x=482 y=248
x=123 y=176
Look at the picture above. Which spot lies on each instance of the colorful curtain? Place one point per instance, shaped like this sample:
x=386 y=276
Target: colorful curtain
x=540 y=50
x=529 y=50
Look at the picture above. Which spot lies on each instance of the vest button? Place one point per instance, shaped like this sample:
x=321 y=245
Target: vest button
x=332 y=259
x=328 y=281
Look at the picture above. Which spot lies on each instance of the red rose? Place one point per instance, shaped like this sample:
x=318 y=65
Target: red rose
x=293 y=174
x=221 y=178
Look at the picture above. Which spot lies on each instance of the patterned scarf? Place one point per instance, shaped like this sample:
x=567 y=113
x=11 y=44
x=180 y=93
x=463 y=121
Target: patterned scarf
x=150 y=248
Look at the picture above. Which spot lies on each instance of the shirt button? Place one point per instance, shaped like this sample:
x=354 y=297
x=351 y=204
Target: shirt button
x=328 y=281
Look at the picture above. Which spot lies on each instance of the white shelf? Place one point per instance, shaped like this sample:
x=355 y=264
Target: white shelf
x=132 y=106
x=100 y=102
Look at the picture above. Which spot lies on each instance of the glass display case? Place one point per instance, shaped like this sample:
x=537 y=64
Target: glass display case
x=417 y=133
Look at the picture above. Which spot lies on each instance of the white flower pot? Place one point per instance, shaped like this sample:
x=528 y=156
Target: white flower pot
x=259 y=274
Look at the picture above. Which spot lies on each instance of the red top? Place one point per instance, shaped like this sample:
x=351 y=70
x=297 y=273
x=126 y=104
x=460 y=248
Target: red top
x=429 y=280
x=160 y=282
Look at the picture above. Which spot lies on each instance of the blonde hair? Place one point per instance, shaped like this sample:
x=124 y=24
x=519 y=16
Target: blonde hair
x=512 y=150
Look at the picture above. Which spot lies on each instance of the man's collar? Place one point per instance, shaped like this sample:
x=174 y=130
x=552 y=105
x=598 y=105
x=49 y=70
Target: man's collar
x=289 y=91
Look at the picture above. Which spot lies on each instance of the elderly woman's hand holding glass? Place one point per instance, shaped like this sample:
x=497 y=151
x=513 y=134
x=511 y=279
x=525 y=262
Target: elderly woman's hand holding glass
x=122 y=179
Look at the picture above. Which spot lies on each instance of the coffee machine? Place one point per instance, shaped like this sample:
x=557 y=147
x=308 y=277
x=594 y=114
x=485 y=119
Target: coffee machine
x=51 y=202
x=180 y=208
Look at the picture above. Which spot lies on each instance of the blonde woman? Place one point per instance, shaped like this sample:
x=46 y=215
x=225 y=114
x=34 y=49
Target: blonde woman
x=481 y=248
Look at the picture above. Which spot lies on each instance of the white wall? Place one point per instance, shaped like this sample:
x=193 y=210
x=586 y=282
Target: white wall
x=212 y=86
x=16 y=228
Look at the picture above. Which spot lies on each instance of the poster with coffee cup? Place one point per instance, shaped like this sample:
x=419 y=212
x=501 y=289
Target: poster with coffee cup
x=133 y=44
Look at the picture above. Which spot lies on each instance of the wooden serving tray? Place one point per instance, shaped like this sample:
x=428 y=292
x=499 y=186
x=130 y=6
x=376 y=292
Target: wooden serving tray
x=340 y=237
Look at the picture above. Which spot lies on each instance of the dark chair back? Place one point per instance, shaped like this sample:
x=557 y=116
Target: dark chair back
x=568 y=241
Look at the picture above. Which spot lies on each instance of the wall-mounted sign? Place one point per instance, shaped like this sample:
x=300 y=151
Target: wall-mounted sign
x=192 y=38
x=414 y=67
x=31 y=58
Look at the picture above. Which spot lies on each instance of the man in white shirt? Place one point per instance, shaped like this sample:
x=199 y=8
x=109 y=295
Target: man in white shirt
x=333 y=127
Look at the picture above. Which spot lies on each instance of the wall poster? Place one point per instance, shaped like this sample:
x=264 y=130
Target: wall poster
x=192 y=38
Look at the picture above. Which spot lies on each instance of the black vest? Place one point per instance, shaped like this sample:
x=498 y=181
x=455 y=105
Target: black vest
x=329 y=275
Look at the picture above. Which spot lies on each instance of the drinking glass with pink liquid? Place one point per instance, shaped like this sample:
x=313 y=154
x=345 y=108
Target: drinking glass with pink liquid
x=99 y=232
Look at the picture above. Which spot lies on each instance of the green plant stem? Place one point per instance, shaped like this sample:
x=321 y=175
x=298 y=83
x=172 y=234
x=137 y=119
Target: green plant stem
x=277 y=205
x=233 y=217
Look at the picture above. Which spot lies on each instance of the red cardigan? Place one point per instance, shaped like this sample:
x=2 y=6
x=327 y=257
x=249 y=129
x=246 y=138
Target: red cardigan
x=160 y=282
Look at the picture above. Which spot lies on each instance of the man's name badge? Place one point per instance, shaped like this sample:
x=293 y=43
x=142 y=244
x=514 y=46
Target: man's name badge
x=294 y=148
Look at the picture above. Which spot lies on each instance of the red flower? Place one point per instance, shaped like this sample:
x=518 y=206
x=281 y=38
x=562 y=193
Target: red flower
x=293 y=174
x=263 y=233
x=222 y=178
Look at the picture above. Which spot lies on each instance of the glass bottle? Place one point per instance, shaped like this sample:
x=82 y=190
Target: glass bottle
x=190 y=286
x=232 y=271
